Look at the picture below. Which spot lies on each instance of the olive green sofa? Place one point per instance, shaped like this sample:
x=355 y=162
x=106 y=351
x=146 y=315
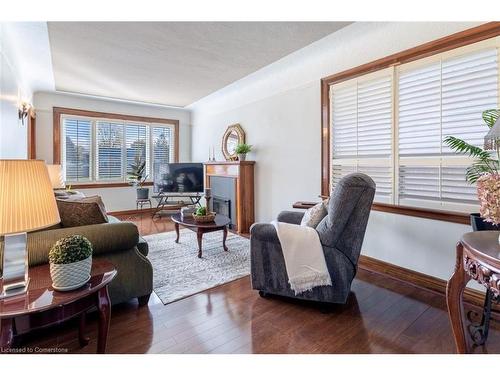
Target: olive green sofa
x=116 y=241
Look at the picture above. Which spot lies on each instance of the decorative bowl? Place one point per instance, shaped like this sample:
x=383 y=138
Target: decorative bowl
x=205 y=218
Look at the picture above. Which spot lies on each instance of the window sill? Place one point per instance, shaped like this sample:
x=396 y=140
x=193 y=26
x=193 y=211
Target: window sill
x=425 y=213
x=98 y=185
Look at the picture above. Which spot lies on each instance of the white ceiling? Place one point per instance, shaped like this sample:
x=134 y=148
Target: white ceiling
x=171 y=63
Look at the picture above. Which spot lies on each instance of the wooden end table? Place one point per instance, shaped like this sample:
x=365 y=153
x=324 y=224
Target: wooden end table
x=477 y=258
x=42 y=306
x=220 y=223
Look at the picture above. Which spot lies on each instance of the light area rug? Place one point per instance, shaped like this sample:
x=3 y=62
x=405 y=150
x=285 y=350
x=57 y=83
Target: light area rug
x=179 y=273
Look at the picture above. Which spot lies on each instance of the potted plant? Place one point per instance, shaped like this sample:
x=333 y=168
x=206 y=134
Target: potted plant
x=70 y=261
x=485 y=171
x=137 y=176
x=242 y=150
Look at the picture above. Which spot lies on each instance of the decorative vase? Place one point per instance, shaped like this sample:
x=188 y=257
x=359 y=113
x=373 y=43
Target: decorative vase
x=142 y=193
x=70 y=276
x=242 y=157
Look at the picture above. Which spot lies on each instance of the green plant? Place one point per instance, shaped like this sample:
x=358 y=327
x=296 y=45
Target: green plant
x=137 y=174
x=70 y=249
x=484 y=161
x=243 y=148
x=201 y=211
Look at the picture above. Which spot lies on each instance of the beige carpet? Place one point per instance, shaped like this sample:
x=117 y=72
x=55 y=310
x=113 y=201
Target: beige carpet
x=179 y=273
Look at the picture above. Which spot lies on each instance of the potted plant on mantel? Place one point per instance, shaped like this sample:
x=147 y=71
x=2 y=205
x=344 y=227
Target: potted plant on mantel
x=242 y=150
x=485 y=171
x=137 y=176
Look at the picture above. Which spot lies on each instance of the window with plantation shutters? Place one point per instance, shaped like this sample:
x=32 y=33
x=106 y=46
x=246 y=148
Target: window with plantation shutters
x=77 y=147
x=444 y=97
x=362 y=130
x=103 y=150
x=109 y=151
x=391 y=125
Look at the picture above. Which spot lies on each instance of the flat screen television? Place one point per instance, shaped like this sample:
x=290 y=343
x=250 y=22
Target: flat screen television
x=178 y=178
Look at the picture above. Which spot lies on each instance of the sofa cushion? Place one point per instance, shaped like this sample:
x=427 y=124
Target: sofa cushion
x=85 y=211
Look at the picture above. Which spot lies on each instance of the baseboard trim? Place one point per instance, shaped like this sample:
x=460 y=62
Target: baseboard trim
x=132 y=212
x=420 y=280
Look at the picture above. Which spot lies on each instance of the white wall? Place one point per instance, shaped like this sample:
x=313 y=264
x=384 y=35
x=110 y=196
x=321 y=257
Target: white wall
x=115 y=199
x=13 y=135
x=25 y=67
x=279 y=108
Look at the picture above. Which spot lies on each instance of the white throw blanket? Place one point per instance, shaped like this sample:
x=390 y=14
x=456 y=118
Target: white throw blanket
x=304 y=259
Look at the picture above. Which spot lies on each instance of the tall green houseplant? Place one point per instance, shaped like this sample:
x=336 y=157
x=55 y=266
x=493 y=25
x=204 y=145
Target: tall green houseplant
x=484 y=161
x=137 y=176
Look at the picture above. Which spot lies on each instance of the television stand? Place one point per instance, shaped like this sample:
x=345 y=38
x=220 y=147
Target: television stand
x=165 y=205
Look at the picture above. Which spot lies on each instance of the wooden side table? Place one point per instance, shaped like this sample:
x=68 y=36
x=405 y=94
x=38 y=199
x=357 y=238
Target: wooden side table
x=477 y=258
x=42 y=306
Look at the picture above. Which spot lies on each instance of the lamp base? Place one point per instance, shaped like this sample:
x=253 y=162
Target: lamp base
x=14 y=289
x=15 y=266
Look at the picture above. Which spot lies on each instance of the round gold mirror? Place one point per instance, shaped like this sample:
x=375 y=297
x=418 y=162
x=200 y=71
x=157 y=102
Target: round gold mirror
x=233 y=136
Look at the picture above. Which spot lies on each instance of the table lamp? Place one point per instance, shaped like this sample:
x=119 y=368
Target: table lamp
x=56 y=176
x=27 y=203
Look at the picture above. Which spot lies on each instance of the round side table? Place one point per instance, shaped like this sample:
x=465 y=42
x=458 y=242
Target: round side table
x=42 y=306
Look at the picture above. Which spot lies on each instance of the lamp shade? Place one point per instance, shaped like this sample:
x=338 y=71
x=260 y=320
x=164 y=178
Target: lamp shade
x=492 y=139
x=56 y=176
x=27 y=200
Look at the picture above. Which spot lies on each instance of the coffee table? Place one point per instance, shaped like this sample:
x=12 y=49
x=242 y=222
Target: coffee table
x=42 y=306
x=220 y=223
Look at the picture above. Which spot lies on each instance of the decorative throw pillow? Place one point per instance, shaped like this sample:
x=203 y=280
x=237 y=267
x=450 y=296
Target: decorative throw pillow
x=314 y=215
x=85 y=211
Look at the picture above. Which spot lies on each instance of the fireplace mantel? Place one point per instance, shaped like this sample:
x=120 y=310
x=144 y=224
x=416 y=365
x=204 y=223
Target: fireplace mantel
x=243 y=174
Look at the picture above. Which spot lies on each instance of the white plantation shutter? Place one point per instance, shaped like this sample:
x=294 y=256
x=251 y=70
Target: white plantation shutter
x=420 y=111
x=77 y=145
x=344 y=122
x=375 y=117
x=361 y=131
x=137 y=144
x=339 y=171
x=163 y=144
x=454 y=188
x=469 y=86
x=109 y=151
x=418 y=182
x=436 y=100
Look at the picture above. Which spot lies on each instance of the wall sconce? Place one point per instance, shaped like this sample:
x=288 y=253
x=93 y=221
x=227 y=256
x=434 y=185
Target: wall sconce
x=23 y=111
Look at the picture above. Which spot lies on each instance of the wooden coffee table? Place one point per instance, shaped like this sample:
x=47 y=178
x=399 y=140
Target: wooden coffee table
x=42 y=306
x=220 y=223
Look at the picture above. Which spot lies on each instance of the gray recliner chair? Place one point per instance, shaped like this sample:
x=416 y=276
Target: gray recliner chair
x=341 y=233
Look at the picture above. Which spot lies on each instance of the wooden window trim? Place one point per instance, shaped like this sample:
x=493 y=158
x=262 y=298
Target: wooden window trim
x=57 y=112
x=460 y=39
x=32 y=134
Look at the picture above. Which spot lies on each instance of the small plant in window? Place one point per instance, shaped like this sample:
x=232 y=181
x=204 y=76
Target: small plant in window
x=137 y=176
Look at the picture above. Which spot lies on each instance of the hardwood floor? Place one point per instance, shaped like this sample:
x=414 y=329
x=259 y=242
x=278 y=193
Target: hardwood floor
x=381 y=316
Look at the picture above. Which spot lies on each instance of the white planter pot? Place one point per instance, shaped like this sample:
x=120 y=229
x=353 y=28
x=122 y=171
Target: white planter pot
x=70 y=276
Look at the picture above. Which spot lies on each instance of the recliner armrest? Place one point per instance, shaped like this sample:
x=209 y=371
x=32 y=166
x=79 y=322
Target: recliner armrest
x=264 y=232
x=291 y=217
